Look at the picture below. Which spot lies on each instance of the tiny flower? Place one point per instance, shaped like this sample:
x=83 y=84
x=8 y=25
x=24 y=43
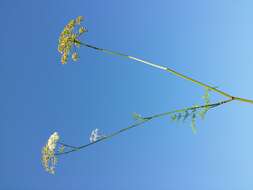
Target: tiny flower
x=94 y=136
x=79 y=19
x=82 y=30
x=52 y=141
x=71 y=24
x=74 y=56
x=49 y=159
x=64 y=58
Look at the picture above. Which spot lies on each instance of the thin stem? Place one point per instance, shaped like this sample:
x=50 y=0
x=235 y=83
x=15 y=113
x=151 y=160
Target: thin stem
x=66 y=145
x=144 y=120
x=156 y=66
x=165 y=69
x=192 y=108
x=103 y=138
x=243 y=100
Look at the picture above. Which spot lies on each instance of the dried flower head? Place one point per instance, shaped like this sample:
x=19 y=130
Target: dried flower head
x=74 y=56
x=49 y=159
x=69 y=39
x=94 y=136
x=79 y=19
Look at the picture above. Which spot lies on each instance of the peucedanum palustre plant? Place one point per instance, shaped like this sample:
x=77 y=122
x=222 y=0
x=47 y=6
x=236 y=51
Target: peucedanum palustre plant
x=69 y=42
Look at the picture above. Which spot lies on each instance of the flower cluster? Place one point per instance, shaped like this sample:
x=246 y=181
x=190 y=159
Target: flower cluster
x=49 y=159
x=69 y=39
x=94 y=136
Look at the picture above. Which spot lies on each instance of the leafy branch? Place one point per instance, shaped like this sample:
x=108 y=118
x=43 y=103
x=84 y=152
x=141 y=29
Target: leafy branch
x=141 y=120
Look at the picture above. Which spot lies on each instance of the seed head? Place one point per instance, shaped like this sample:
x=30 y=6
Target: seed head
x=69 y=39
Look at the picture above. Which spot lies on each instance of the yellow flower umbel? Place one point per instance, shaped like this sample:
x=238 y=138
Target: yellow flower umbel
x=69 y=39
x=49 y=159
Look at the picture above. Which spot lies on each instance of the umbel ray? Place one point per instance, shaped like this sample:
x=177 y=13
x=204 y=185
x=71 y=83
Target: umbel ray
x=69 y=43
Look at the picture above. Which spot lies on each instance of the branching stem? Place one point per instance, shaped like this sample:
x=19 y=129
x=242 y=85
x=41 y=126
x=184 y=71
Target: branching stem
x=144 y=120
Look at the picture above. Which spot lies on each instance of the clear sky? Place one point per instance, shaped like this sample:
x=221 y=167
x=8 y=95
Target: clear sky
x=211 y=41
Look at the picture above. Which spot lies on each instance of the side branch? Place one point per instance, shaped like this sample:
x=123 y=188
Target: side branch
x=143 y=120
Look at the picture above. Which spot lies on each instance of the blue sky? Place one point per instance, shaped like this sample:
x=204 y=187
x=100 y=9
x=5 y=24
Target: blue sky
x=208 y=40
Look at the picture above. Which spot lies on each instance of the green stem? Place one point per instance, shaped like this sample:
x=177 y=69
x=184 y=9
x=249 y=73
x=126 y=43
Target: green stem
x=158 y=67
x=165 y=69
x=243 y=100
x=191 y=108
x=144 y=120
x=66 y=145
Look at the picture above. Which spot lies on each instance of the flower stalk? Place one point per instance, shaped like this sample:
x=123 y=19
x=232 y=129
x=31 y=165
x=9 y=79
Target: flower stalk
x=142 y=121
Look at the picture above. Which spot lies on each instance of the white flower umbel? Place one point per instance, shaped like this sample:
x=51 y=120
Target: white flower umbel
x=49 y=159
x=52 y=141
x=94 y=136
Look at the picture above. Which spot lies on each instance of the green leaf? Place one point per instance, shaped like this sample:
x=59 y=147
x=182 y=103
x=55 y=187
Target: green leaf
x=179 y=116
x=193 y=124
x=203 y=112
x=138 y=117
x=174 y=117
x=186 y=115
x=61 y=149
